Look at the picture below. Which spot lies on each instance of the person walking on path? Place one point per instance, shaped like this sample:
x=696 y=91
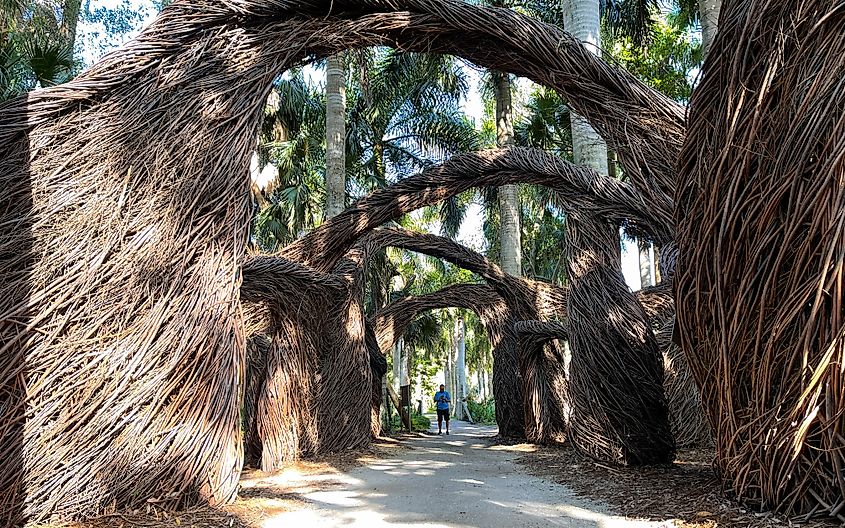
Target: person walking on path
x=442 y=401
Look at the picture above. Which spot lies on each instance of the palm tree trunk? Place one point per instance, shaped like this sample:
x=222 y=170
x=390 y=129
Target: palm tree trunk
x=509 y=231
x=646 y=271
x=582 y=21
x=447 y=370
x=335 y=136
x=709 y=12
x=397 y=363
x=70 y=17
x=461 y=392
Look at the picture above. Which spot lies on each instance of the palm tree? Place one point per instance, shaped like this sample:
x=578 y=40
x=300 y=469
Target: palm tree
x=582 y=21
x=510 y=245
x=335 y=135
x=293 y=140
x=404 y=115
x=36 y=45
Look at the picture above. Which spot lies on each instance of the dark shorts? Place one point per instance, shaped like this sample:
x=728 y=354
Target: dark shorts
x=443 y=414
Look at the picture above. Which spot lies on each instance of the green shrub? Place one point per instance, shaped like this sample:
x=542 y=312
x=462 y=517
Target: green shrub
x=483 y=412
x=418 y=422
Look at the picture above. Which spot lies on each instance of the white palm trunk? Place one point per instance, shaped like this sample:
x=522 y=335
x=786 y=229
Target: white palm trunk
x=708 y=11
x=403 y=363
x=448 y=369
x=459 y=396
x=581 y=20
x=646 y=251
x=397 y=363
x=335 y=136
x=509 y=229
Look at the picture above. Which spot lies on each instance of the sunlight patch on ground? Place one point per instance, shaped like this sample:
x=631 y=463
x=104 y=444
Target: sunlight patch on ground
x=468 y=481
x=516 y=448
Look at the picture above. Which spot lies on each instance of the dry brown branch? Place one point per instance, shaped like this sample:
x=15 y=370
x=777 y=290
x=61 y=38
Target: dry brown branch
x=761 y=213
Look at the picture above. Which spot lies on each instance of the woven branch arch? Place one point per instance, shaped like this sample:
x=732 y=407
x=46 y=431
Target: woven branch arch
x=580 y=187
x=390 y=323
x=522 y=376
x=542 y=331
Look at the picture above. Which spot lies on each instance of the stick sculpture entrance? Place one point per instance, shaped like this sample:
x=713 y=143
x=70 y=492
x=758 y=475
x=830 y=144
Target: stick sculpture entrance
x=123 y=231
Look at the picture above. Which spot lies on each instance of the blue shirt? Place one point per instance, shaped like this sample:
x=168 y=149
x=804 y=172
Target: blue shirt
x=443 y=405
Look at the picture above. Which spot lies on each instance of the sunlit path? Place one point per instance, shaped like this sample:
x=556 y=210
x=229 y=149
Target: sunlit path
x=457 y=481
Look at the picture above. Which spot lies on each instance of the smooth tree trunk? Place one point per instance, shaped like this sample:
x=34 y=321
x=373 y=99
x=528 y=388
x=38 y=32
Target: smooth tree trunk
x=70 y=18
x=461 y=393
x=646 y=254
x=447 y=370
x=397 y=363
x=403 y=363
x=509 y=229
x=581 y=19
x=335 y=136
x=708 y=11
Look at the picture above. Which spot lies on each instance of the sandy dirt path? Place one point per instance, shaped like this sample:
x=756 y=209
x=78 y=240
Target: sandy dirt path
x=458 y=480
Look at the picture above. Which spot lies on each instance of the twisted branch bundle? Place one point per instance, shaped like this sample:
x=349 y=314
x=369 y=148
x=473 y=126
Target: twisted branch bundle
x=686 y=414
x=619 y=412
x=759 y=287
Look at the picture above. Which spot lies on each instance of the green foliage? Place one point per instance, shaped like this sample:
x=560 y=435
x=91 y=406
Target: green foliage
x=34 y=49
x=666 y=62
x=483 y=412
x=403 y=115
x=293 y=140
x=419 y=422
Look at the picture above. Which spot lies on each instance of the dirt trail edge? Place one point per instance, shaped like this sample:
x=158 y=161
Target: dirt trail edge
x=458 y=480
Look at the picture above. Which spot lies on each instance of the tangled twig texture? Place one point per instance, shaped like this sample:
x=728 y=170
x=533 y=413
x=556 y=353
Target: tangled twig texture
x=134 y=329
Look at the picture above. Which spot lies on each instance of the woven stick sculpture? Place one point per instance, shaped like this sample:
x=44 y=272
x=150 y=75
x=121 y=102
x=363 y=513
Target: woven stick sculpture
x=580 y=187
x=121 y=245
x=522 y=381
x=619 y=412
x=506 y=377
x=686 y=414
x=762 y=246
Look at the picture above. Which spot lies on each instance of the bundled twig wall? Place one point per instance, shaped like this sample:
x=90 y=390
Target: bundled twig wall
x=619 y=412
x=686 y=414
x=761 y=211
x=119 y=252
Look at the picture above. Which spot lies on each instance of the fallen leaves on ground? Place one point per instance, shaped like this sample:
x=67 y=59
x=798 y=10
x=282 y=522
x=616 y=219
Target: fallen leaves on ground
x=685 y=492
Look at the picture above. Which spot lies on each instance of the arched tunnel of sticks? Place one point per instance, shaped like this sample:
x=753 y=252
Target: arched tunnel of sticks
x=133 y=321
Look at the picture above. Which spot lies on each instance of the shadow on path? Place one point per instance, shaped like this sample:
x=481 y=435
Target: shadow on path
x=459 y=480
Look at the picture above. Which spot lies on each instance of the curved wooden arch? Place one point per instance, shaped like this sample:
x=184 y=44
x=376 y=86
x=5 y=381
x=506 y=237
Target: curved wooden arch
x=121 y=247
